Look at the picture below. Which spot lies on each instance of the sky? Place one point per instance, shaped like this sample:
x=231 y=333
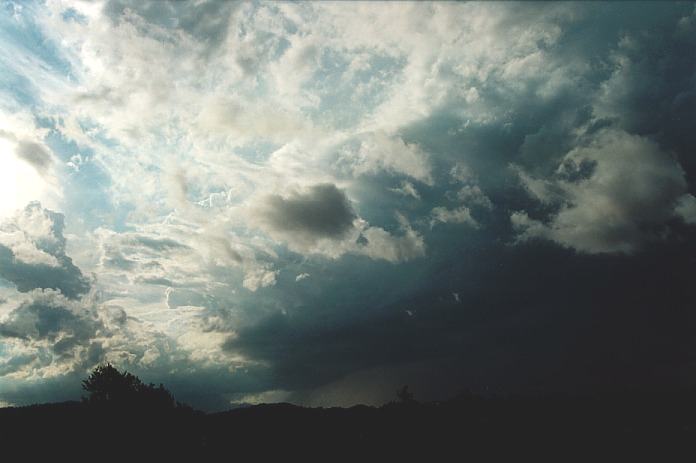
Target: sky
x=320 y=202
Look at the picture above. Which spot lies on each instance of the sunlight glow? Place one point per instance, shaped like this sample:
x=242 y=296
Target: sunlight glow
x=19 y=182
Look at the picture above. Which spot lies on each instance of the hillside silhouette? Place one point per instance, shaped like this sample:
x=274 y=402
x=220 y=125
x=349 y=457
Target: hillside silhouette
x=122 y=416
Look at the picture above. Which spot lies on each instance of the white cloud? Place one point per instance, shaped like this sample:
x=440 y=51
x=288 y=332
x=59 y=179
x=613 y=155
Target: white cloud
x=25 y=250
x=380 y=244
x=686 y=209
x=632 y=187
x=461 y=172
x=471 y=195
x=259 y=278
x=251 y=121
x=406 y=188
x=461 y=214
x=379 y=152
x=33 y=255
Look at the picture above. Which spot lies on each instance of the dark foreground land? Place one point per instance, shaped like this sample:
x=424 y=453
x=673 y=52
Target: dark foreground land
x=626 y=427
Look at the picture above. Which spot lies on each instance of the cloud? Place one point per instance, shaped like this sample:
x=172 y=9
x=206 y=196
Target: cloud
x=26 y=251
x=472 y=196
x=469 y=197
x=377 y=243
x=376 y=152
x=32 y=253
x=259 y=278
x=53 y=333
x=296 y=66
x=458 y=215
x=406 y=188
x=51 y=336
x=279 y=140
x=153 y=243
x=321 y=220
x=251 y=121
x=157 y=255
x=175 y=298
x=622 y=201
x=36 y=155
x=302 y=276
x=686 y=209
x=208 y=21
x=303 y=218
x=51 y=316
x=460 y=172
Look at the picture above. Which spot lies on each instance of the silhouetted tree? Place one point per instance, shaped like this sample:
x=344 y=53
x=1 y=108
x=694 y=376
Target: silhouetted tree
x=107 y=386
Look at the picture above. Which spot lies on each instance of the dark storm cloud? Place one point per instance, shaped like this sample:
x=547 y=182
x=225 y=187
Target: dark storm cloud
x=611 y=150
x=610 y=154
x=320 y=212
x=588 y=326
x=41 y=231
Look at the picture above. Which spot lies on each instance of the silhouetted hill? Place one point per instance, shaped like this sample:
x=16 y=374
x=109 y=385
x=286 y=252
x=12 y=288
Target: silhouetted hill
x=612 y=427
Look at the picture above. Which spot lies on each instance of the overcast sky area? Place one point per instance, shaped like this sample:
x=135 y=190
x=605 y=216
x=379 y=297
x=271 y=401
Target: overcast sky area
x=320 y=202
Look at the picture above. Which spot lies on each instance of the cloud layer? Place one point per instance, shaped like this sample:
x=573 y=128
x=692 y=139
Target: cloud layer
x=304 y=200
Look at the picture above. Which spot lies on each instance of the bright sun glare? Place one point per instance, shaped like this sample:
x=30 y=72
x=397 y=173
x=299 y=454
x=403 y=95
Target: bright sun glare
x=19 y=182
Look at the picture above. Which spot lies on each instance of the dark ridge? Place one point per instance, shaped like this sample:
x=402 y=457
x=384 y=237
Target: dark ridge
x=661 y=427
x=124 y=417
